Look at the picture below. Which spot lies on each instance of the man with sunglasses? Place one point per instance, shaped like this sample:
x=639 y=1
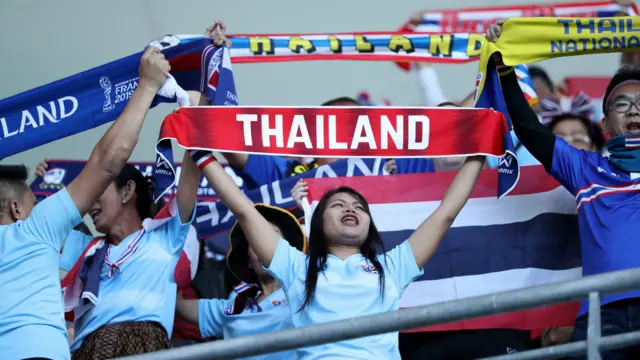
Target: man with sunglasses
x=606 y=188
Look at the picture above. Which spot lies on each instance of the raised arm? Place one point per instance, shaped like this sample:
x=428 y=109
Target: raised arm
x=260 y=234
x=117 y=144
x=536 y=137
x=427 y=236
x=187 y=188
x=217 y=33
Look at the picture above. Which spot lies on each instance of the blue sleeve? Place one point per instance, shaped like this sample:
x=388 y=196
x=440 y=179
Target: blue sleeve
x=211 y=317
x=567 y=164
x=52 y=220
x=401 y=266
x=174 y=232
x=264 y=169
x=286 y=263
x=74 y=245
x=414 y=165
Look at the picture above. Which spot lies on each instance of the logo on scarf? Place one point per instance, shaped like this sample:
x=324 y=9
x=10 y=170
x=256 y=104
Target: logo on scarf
x=123 y=92
x=105 y=83
x=506 y=160
x=162 y=166
x=52 y=179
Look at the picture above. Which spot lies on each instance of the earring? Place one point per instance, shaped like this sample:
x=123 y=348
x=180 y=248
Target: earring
x=124 y=201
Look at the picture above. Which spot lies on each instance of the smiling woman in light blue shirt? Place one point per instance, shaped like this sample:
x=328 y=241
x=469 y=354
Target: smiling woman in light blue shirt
x=257 y=304
x=136 y=296
x=342 y=276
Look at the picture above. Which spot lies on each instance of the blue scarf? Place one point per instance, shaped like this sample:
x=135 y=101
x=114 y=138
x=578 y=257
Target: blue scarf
x=625 y=152
x=91 y=98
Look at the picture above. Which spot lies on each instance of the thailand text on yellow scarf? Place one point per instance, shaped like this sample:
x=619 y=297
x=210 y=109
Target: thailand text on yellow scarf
x=527 y=40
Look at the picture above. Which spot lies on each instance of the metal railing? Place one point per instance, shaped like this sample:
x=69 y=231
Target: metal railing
x=421 y=316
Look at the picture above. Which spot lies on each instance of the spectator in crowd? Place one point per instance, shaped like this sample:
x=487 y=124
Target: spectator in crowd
x=572 y=118
x=136 y=291
x=343 y=246
x=542 y=84
x=184 y=333
x=257 y=304
x=31 y=320
x=604 y=187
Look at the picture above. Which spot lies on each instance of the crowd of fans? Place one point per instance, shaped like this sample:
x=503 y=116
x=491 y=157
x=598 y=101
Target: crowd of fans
x=138 y=298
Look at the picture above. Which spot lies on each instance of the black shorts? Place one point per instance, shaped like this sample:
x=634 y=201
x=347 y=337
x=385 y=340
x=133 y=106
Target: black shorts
x=463 y=344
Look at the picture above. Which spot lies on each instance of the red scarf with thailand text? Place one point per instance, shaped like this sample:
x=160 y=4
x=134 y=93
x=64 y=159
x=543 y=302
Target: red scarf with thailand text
x=337 y=132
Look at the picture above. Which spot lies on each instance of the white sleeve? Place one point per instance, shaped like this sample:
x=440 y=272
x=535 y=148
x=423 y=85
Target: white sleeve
x=430 y=86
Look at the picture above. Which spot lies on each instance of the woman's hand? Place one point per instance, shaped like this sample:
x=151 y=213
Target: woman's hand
x=300 y=190
x=218 y=33
x=42 y=168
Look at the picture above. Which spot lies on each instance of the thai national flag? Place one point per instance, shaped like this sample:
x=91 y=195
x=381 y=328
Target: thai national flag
x=632 y=142
x=527 y=238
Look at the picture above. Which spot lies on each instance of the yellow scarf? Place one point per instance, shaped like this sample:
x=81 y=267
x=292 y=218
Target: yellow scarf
x=527 y=40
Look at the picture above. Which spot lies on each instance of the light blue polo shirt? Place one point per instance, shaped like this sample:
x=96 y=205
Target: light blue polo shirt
x=347 y=288
x=31 y=312
x=145 y=289
x=215 y=321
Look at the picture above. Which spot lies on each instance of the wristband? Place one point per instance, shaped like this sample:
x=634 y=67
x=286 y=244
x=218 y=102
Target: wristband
x=202 y=158
x=504 y=70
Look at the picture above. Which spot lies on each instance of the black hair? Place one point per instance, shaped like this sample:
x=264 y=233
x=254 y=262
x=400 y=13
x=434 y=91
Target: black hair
x=593 y=130
x=12 y=185
x=319 y=249
x=448 y=103
x=160 y=203
x=537 y=71
x=241 y=299
x=341 y=100
x=629 y=72
x=143 y=196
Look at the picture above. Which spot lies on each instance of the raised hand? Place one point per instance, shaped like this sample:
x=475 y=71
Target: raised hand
x=218 y=33
x=494 y=31
x=42 y=168
x=153 y=69
x=300 y=190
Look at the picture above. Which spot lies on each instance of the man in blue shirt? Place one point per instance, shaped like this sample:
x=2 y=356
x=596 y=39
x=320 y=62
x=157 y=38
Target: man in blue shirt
x=32 y=324
x=606 y=191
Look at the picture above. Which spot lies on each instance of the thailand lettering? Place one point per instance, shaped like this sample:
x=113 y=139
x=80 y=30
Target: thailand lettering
x=435 y=44
x=33 y=118
x=410 y=132
x=593 y=34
